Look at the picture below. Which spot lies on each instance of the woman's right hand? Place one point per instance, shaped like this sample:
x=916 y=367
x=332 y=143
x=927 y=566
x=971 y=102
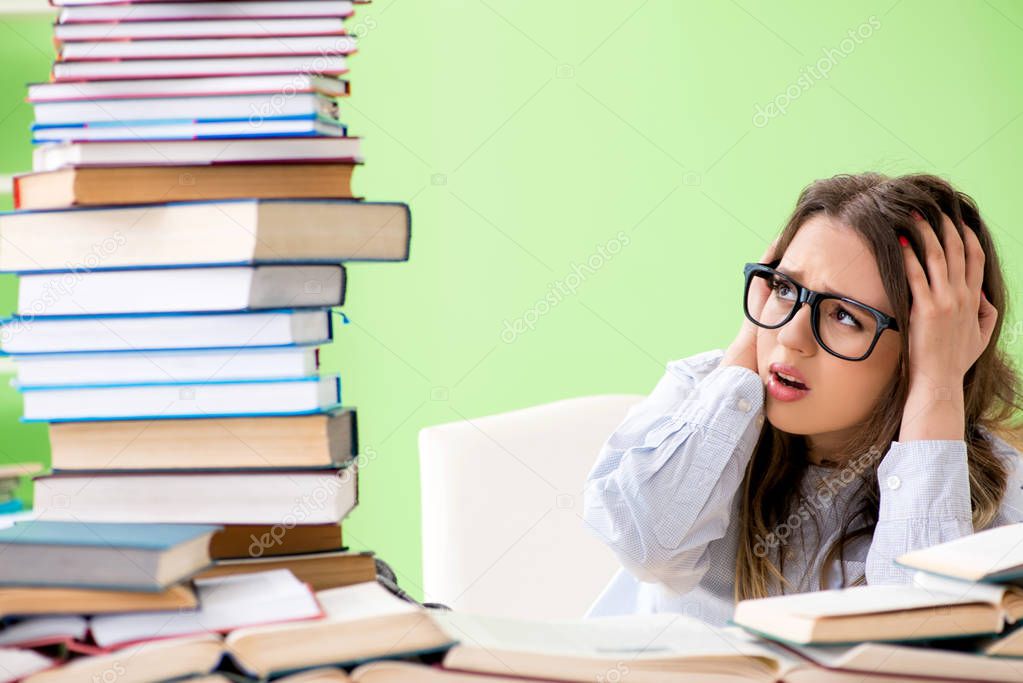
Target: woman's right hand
x=743 y=349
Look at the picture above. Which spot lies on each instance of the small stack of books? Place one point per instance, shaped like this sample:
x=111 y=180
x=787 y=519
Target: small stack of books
x=135 y=78
x=77 y=598
x=53 y=572
x=180 y=249
x=961 y=619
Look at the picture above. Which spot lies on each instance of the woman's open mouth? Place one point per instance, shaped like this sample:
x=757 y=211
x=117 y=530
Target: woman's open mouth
x=785 y=389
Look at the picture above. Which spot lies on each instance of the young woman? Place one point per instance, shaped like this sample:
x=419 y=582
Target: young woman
x=851 y=420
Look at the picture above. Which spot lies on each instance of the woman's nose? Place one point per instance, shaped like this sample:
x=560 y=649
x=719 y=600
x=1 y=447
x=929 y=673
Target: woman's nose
x=797 y=333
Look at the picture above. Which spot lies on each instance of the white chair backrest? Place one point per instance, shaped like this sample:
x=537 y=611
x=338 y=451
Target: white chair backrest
x=503 y=532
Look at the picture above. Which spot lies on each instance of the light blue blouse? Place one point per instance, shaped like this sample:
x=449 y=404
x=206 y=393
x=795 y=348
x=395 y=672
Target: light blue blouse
x=663 y=496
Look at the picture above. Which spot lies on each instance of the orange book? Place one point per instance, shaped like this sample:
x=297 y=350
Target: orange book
x=120 y=185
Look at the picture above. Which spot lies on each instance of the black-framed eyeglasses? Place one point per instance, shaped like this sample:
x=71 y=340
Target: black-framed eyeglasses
x=843 y=327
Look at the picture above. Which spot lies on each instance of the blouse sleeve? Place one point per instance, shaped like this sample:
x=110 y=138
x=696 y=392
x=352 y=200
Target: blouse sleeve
x=665 y=482
x=925 y=500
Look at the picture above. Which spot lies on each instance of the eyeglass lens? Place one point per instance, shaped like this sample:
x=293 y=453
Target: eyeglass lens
x=844 y=328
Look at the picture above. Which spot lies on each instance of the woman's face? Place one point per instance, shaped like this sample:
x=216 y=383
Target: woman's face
x=828 y=257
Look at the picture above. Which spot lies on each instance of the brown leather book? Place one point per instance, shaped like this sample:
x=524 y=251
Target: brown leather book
x=244 y=541
x=320 y=570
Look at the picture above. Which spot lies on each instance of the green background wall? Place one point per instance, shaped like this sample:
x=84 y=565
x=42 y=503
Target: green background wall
x=528 y=136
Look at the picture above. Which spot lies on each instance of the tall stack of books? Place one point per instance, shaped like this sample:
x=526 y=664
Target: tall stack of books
x=180 y=248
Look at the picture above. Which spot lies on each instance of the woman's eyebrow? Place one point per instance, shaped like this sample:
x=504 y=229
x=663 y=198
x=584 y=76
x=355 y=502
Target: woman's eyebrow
x=798 y=275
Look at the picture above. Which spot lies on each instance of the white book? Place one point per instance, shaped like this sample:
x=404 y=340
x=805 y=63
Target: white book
x=38 y=631
x=651 y=648
x=169 y=331
x=251 y=108
x=240 y=231
x=182 y=399
x=225 y=603
x=56 y=155
x=164 y=366
x=994 y=554
x=187 y=87
x=188 y=130
x=154 y=30
x=668 y=648
x=148 y=10
x=876 y=660
x=161 y=290
x=361 y=621
x=209 y=47
x=881 y=613
x=155 y=660
x=181 y=68
x=319 y=496
x=16 y=665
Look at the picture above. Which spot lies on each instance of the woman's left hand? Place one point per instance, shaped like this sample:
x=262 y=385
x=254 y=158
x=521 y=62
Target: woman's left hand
x=951 y=320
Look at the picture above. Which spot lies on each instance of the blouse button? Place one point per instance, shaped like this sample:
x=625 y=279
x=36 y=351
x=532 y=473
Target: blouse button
x=893 y=482
x=743 y=405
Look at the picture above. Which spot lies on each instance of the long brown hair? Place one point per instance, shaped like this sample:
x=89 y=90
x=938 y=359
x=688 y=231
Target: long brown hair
x=878 y=208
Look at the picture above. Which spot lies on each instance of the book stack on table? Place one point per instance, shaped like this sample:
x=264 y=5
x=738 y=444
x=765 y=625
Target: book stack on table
x=83 y=601
x=180 y=247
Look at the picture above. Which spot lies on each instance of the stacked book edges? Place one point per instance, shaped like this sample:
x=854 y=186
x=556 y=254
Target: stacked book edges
x=126 y=599
x=181 y=247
